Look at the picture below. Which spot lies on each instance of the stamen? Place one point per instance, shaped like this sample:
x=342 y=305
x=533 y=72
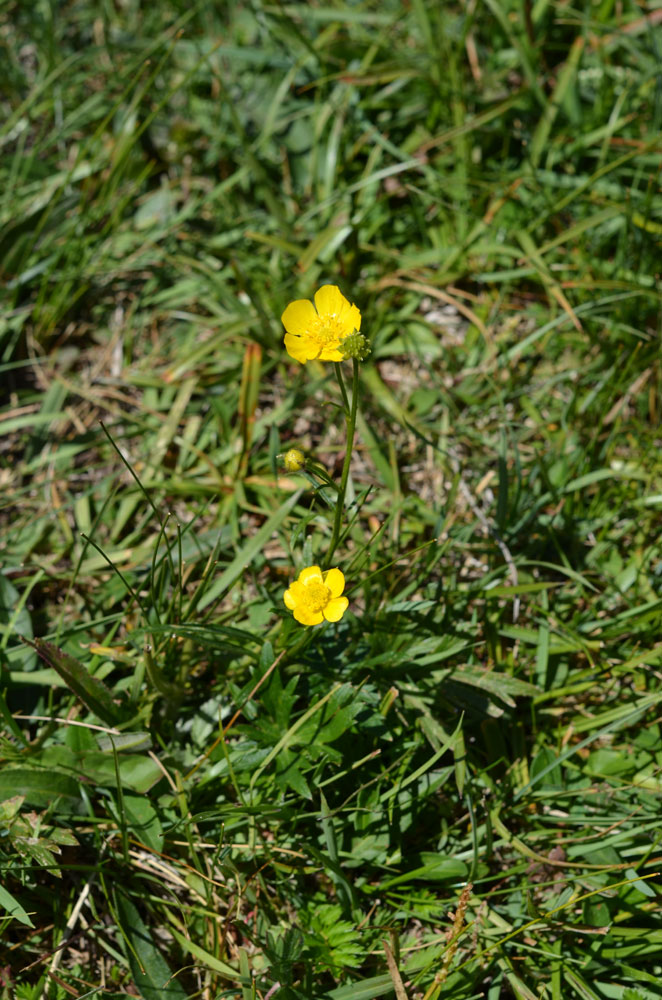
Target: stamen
x=317 y=596
x=328 y=332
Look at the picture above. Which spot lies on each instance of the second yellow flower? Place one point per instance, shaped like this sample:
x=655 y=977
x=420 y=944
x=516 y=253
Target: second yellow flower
x=319 y=334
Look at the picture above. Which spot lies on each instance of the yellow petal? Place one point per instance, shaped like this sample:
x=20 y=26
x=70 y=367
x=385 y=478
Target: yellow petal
x=335 y=581
x=330 y=301
x=351 y=320
x=299 y=348
x=331 y=354
x=334 y=610
x=299 y=317
x=306 y=617
x=310 y=573
x=290 y=600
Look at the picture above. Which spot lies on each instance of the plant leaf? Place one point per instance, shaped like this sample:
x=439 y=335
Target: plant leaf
x=91 y=691
x=13 y=907
x=151 y=973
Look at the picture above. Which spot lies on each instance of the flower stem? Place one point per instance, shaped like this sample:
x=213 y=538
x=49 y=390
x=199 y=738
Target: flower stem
x=350 y=420
x=343 y=390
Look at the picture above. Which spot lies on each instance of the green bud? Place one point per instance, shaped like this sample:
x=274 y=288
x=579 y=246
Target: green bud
x=355 y=346
x=293 y=460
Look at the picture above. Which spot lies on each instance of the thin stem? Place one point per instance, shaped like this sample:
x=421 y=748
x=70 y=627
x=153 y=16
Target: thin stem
x=350 y=418
x=343 y=390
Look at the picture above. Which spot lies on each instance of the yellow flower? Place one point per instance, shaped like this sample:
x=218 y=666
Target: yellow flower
x=316 y=596
x=319 y=334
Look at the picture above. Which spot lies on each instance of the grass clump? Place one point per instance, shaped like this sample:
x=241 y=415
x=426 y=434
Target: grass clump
x=453 y=791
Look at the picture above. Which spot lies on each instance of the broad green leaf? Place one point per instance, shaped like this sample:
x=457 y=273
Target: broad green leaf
x=143 y=821
x=50 y=766
x=378 y=986
x=137 y=772
x=41 y=787
x=13 y=907
x=545 y=760
x=10 y=808
x=151 y=973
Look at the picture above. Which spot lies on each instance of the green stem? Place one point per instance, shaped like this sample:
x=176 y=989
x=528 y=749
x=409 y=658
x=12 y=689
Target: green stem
x=350 y=419
x=343 y=390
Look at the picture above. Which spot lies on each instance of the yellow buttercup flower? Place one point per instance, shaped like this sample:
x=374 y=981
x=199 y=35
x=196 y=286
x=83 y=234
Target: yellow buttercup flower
x=312 y=334
x=316 y=596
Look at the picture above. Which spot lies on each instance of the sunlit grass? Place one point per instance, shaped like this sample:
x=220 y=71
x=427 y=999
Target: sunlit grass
x=453 y=792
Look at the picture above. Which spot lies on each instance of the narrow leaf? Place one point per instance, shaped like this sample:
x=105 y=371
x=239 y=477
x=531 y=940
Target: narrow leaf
x=13 y=907
x=91 y=691
x=151 y=973
x=222 y=968
x=245 y=556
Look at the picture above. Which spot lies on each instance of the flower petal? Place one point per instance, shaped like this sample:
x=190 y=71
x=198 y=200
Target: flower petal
x=330 y=301
x=335 y=581
x=351 y=320
x=290 y=600
x=335 y=609
x=331 y=354
x=310 y=573
x=299 y=317
x=302 y=349
x=298 y=590
x=306 y=617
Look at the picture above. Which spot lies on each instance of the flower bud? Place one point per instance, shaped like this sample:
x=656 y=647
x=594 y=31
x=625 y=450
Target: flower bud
x=293 y=460
x=355 y=346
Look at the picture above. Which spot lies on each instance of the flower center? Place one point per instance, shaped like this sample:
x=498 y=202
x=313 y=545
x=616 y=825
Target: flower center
x=328 y=332
x=317 y=596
